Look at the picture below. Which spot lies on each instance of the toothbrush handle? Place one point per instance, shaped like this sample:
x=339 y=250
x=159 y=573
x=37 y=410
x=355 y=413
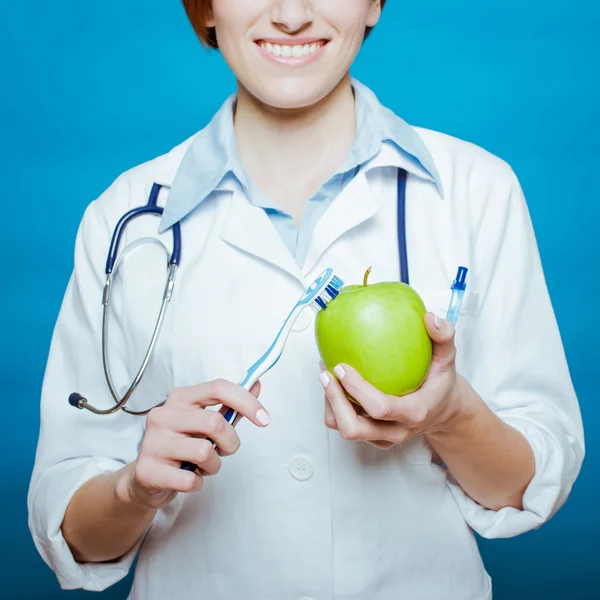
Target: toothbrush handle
x=188 y=466
x=257 y=370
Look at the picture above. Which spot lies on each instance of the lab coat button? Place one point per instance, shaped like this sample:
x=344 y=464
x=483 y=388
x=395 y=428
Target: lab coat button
x=305 y=318
x=301 y=468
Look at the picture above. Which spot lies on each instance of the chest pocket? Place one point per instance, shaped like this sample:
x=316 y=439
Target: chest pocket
x=437 y=300
x=416 y=451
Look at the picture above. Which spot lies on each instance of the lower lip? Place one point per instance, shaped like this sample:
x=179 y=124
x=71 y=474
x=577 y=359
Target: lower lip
x=293 y=61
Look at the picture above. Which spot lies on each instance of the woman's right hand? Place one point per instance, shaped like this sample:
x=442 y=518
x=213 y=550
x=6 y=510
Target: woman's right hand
x=177 y=432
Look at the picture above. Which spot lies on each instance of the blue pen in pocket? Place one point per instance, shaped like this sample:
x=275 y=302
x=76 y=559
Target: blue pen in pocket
x=458 y=291
x=458 y=288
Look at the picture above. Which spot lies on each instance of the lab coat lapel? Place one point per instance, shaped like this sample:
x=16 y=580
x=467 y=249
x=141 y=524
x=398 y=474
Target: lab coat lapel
x=354 y=205
x=249 y=228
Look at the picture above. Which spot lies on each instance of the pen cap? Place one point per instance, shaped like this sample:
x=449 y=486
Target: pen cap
x=461 y=278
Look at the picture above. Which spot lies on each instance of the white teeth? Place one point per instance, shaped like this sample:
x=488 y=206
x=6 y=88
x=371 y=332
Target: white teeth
x=288 y=51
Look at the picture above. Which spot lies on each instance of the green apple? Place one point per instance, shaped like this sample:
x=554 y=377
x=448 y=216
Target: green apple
x=379 y=330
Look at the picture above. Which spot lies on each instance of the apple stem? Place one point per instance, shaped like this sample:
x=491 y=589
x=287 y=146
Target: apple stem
x=367 y=273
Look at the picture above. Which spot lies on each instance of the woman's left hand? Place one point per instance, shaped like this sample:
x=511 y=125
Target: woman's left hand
x=384 y=420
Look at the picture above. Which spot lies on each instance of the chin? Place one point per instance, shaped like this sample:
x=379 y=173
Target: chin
x=290 y=95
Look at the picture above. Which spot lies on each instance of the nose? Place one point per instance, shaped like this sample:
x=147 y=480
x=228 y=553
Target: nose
x=291 y=16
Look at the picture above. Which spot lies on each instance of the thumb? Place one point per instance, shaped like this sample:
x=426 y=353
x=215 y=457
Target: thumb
x=441 y=331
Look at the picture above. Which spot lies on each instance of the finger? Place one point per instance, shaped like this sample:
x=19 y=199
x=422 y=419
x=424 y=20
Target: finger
x=221 y=391
x=255 y=389
x=191 y=394
x=353 y=426
x=377 y=405
x=191 y=422
x=158 y=475
x=410 y=411
x=441 y=331
x=329 y=416
x=413 y=410
x=343 y=412
x=199 y=452
x=381 y=445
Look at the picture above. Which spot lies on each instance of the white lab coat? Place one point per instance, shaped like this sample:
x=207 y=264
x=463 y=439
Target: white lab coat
x=298 y=512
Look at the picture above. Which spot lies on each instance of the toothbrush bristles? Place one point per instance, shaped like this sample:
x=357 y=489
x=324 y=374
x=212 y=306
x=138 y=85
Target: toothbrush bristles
x=321 y=302
x=337 y=282
x=330 y=293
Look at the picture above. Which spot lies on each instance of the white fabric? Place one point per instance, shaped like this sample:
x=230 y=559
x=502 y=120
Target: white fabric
x=299 y=512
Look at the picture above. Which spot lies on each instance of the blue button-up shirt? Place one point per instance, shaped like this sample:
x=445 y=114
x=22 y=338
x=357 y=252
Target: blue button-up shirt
x=212 y=158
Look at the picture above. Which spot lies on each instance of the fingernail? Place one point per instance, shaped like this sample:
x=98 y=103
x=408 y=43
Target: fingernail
x=437 y=322
x=339 y=371
x=262 y=416
x=322 y=366
x=324 y=379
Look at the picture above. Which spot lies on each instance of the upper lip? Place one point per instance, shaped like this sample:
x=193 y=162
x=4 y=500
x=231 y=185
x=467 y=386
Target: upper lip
x=300 y=41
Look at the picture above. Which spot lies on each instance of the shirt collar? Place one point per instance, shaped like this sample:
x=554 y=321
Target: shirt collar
x=211 y=160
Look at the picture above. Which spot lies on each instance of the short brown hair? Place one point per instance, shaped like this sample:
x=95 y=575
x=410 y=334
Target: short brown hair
x=198 y=12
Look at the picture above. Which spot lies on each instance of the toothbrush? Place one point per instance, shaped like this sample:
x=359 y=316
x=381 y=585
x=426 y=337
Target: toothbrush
x=458 y=291
x=323 y=290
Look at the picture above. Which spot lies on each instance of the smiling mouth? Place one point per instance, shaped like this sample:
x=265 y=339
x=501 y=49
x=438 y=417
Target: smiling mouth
x=291 y=50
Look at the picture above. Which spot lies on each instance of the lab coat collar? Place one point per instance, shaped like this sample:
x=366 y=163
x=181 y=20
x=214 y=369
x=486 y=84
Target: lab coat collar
x=354 y=205
x=207 y=161
x=379 y=128
x=209 y=158
x=248 y=227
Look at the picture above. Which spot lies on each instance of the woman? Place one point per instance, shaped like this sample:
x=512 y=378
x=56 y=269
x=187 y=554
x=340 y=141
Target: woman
x=298 y=172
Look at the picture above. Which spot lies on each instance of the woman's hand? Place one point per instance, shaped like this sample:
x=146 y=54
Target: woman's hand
x=385 y=420
x=177 y=432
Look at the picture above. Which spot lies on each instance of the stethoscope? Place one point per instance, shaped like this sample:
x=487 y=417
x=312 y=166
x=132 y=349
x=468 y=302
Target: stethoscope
x=115 y=259
x=113 y=262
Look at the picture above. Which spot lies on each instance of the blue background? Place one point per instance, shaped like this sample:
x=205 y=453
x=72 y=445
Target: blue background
x=90 y=89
